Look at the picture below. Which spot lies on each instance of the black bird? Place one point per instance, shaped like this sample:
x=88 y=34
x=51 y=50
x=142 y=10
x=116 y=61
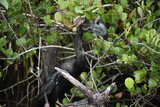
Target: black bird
x=56 y=86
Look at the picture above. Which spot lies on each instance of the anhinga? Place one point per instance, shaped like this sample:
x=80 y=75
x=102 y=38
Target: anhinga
x=56 y=86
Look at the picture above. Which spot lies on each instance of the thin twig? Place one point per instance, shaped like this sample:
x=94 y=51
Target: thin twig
x=16 y=84
x=148 y=47
x=9 y=25
x=32 y=49
x=116 y=62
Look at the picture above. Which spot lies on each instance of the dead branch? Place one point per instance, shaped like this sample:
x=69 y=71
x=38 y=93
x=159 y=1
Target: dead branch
x=94 y=99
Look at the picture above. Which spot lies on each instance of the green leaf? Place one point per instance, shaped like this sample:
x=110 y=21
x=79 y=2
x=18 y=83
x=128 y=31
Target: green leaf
x=117 y=50
x=65 y=101
x=58 y=17
x=129 y=83
x=4 y=3
x=3 y=42
x=63 y=4
x=14 y=55
x=0 y=74
x=123 y=16
x=140 y=75
x=125 y=57
x=9 y=52
x=119 y=8
x=152 y=83
x=159 y=3
x=147 y=37
x=152 y=32
x=124 y=2
x=134 y=41
x=47 y=19
x=50 y=9
x=140 y=12
x=22 y=30
x=118 y=105
x=78 y=9
x=90 y=8
x=138 y=91
x=83 y=76
x=106 y=45
x=96 y=1
x=88 y=37
x=21 y=41
x=51 y=39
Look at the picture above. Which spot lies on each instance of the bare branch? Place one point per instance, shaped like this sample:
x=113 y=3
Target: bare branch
x=95 y=99
x=42 y=47
x=9 y=25
x=80 y=86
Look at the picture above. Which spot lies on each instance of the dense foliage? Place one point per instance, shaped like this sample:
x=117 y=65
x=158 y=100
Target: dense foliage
x=129 y=54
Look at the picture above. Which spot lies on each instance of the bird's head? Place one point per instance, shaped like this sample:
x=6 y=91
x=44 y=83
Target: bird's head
x=95 y=26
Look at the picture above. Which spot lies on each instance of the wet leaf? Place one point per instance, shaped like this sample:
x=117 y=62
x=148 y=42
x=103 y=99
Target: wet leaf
x=4 y=3
x=129 y=83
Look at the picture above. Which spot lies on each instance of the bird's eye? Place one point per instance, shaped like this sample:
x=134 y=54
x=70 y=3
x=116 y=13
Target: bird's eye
x=97 y=23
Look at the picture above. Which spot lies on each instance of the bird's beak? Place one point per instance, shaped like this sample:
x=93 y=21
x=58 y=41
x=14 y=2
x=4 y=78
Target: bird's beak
x=86 y=28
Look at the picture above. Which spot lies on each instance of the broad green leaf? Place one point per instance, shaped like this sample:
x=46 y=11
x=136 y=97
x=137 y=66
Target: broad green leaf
x=154 y=68
x=78 y=9
x=65 y=101
x=22 y=30
x=87 y=15
x=58 y=17
x=83 y=76
x=96 y=1
x=14 y=55
x=144 y=88
x=3 y=42
x=88 y=37
x=63 y=4
x=50 y=9
x=119 y=8
x=90 y=84
x=30 y=53
x=147 y=37
x=118 y=105
x=73 y=90
x=152 y=32
x=90 y=8
x=125 y=57
x=124 y=2
x=52 y=38
x=21 y=41
x=117 y=50
x=106 y=45
x=159 y=3
x=123 y=16
x=47 y=19
x=12 y=20
x=133 y=57
x=140 y=12
x=152 y=83
x=14 y=2
x=95 y=51
x=4 y=3
x=140 y=75
x=134 y=41
x=129 y=83
x=9 y=52
x=138 y=91
x=10 y=62
x=86 y=2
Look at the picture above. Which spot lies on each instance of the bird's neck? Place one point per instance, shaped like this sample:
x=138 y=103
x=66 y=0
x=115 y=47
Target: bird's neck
x=80 y=58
